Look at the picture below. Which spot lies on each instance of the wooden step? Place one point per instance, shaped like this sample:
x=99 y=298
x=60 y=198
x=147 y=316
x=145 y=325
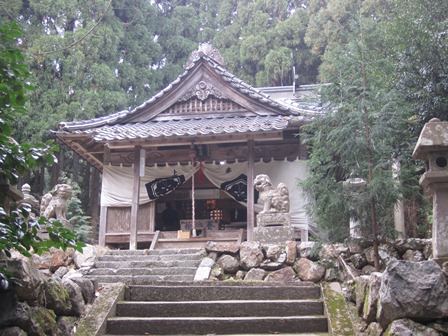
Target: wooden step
x=170 y=239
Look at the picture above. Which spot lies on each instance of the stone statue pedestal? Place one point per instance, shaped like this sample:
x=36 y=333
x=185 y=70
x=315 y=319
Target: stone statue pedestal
x=274 y=228
x=273 y=219
x=274 y=234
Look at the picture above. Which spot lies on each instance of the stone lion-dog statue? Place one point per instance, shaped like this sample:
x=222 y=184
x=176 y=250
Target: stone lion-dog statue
x=54 y=203
x=274 y=199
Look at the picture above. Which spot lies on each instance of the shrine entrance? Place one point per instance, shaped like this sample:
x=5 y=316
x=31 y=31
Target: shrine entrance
x=214 y=208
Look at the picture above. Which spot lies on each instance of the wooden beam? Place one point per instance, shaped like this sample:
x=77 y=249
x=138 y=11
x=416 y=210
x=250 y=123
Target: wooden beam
x=106 y=154
x=278 y=151
x=198 y=140
x=135 y=200
x=250 y=190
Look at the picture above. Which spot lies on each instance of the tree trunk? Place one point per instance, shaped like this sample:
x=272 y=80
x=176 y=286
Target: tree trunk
x=57 y=168
x=95 y=204
x=86 y=187
x=75 y=172
x=373 y=222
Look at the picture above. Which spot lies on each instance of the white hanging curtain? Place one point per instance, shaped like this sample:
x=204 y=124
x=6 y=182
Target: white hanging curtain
x=118 y=182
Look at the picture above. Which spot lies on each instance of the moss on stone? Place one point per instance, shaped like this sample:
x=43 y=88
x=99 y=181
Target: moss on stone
x=338 y=313
x=103 y=307
x=43 y=321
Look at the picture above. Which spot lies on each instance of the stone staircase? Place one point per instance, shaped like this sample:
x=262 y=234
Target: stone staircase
x=205 y=308
x=161 y=298
x=146 y=266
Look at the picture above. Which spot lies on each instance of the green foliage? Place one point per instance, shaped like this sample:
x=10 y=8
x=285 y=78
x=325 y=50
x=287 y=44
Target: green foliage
x=18 y=229
x=76 y=216
x=357 y=135
x=418 y=33
x=15 y=158
x=89 y=58
x=258 y=33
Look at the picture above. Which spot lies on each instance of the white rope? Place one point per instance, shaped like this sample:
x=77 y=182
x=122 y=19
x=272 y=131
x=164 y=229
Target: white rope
x=193 y=208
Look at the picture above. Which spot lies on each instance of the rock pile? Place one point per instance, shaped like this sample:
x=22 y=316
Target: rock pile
x=309 y=261
x=52 y=294
x=408 y=297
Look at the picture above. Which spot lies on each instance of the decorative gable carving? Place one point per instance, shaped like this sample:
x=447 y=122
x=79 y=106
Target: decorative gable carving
x=208 y=50
x=202 y=90
x=211 y=105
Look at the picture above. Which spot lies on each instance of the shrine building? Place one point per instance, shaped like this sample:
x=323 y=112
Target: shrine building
x=198 y=145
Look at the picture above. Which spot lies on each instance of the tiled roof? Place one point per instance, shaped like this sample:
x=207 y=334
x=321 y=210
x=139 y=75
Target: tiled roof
x=189 y=127
x=287 y=107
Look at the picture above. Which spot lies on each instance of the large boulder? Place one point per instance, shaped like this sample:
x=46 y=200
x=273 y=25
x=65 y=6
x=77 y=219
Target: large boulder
x=309 y=270
x=361 y=285
x=371 y=300
x=33 y=320
x=286 y=274
x=57 y=298
x=402 y=245
x=255 y=274
x=307 y=249
x=386 y=253
x=291 y=252
x=66 y=324
x=407 y=327
x=251 y=255
x=413 y=255
x=32 y=281
x=87 y=257
x=76 y=298
x=87 y=288
x=273 y=252
x=54 y=259
x=358 y=260
x=13 y=331
x=415 y=290
x=220 y=247
x=374 y=329
x=40 y=321
x=229 y=264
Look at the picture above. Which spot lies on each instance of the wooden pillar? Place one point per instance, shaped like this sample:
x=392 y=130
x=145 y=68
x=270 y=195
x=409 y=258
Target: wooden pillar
x=152 y=216
x=103 y=210
x=95 y=203
x=103 y=224
x=250 y=190
x=135 y=200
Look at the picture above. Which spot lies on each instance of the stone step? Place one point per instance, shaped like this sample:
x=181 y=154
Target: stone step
x=143 y=271
x=156 y=252
x=140 y=279
x=228 y=308
x=147 y=263
x=198 y=292
x=213 y=325
x=152 y=257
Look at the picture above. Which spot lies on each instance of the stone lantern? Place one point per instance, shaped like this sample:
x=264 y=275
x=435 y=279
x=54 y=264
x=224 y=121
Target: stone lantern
x=432 y=146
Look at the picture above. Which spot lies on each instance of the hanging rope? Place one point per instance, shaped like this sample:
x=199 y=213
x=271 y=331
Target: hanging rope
x=193 y=208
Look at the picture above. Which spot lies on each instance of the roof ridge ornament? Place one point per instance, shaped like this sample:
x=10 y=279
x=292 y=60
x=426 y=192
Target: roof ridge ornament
x=202 y=90
x=205 y=49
